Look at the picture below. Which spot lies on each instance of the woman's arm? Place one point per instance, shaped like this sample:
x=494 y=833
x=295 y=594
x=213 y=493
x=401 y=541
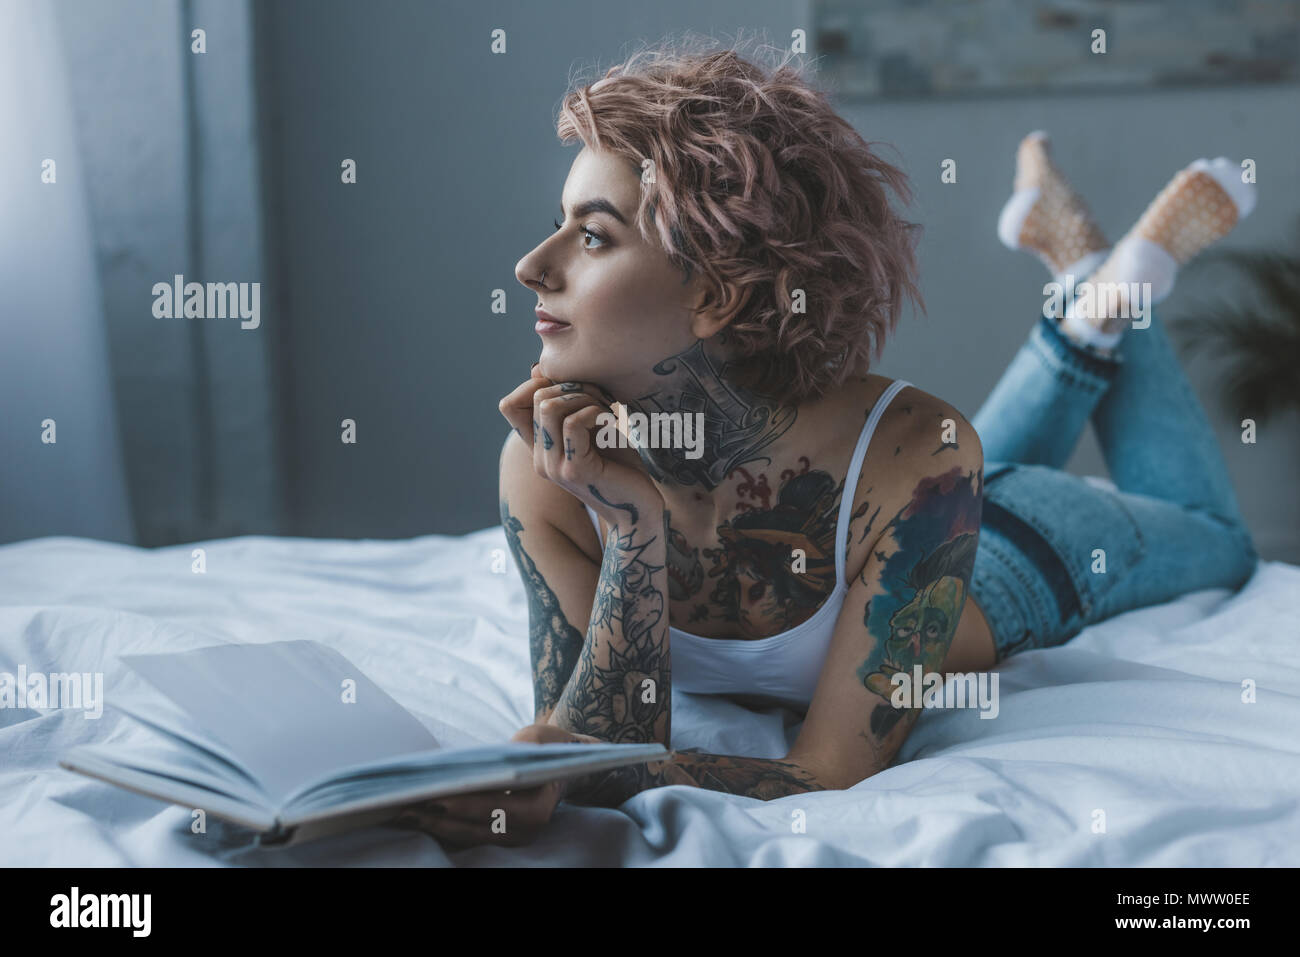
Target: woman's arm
x=763 y=778
x=559 y=578
x=611 y=679
x=903 y=607
x=621 y=690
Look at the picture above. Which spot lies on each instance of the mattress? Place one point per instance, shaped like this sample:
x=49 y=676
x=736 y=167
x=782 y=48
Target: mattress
x=1166 y=736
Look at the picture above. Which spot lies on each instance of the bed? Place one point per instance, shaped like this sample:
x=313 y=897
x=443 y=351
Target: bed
x=1167 y=736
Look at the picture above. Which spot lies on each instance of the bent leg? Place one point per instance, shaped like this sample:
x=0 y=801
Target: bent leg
x=1038 y=409
x=1058 y=553
x=1154 y=433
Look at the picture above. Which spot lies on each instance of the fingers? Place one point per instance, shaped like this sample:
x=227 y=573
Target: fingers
x=548 y=733
x=517 y=407
x=562 y=453
x=565 y=415
x=481 y=806
x=458 y=835
x=451 y=833
x=487 y=817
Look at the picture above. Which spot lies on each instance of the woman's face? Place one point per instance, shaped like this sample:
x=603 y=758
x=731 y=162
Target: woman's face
x=623 y=301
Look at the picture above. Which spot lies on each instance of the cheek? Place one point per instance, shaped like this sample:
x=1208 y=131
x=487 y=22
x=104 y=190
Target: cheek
x=630 y=304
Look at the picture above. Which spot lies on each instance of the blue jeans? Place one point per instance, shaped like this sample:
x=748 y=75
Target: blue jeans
x=1058 y=553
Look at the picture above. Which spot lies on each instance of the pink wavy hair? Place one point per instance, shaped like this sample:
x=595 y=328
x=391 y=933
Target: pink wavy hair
x=764 y=189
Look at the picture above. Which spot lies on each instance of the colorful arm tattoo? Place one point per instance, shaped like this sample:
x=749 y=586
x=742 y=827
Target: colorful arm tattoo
x=924 y=559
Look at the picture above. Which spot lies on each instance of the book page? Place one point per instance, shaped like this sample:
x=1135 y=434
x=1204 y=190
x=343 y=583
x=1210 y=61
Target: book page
x=283 y=707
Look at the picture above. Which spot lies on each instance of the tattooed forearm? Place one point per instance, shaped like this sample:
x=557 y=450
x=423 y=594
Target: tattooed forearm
x=554 y=644
x=754 y=777
x=621 y=687
x=625 y=506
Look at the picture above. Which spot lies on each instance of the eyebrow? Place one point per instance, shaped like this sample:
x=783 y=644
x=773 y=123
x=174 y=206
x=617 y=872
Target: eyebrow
x=597 y=205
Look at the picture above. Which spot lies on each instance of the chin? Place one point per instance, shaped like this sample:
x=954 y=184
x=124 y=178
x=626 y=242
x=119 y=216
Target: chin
x=553 y=369
x=558 y=365
x=563 y=369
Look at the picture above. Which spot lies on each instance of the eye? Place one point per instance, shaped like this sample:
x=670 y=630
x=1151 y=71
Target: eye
x=585 y=233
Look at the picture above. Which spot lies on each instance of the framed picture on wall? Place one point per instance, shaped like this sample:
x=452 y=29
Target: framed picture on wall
x=911 y=48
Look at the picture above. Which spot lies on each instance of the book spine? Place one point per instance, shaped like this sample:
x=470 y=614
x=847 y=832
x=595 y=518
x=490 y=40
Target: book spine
x=277 y=836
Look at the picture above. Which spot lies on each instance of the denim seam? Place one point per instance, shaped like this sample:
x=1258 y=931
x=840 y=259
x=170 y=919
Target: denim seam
x=1062 y=367
x=1028 y=592
x=1233 y=526
x=1101 y=366
x=1140 y=554
x=1083 y=590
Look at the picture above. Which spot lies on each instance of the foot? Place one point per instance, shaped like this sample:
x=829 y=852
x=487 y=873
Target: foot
x=1200 y=205
x=1047 y=217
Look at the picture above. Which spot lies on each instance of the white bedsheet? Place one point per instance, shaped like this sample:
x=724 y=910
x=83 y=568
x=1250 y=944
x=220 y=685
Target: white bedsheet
x=1140 y=718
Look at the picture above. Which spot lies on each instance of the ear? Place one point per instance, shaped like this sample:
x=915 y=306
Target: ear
x=713 y=311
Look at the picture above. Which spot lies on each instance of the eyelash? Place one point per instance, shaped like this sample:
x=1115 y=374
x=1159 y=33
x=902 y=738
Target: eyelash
x=585 y=232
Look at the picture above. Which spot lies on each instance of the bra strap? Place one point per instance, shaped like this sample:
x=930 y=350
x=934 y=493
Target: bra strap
x=851 y=479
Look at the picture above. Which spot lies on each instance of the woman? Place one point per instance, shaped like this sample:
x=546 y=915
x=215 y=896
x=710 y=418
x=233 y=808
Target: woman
x=791 y=527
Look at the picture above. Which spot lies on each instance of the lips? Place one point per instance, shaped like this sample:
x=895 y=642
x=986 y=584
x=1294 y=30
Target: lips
x=547 y=317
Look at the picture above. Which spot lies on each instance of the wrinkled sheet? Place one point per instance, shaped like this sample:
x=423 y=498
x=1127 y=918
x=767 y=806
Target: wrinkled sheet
x=1138 y=724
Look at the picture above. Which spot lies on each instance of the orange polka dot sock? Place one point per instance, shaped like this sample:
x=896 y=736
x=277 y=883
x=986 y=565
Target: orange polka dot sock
x=1198 y=206
x=1047 y=217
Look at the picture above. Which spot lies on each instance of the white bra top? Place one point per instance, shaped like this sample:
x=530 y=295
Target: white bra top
x=784 y=667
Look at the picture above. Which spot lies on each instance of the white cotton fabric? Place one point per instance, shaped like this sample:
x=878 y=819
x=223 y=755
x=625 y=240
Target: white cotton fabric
x=1140 y=718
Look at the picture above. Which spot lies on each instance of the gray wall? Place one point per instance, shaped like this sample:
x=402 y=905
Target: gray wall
x=387 y=283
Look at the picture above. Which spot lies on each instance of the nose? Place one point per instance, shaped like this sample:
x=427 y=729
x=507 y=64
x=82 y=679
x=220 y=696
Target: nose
x=524 y=272
x=532 y=267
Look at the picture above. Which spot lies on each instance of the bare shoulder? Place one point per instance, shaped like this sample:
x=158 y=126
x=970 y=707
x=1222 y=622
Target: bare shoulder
x=534 y=499
x=919 y=431
x=921 y=440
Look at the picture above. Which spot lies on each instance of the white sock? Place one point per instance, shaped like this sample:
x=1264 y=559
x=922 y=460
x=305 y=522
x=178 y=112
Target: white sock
x=1082 y=331
x=1199 y=205
x=1083 y=267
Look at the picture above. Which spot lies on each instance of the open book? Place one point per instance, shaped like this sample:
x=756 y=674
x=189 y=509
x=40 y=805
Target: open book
x=291 y=739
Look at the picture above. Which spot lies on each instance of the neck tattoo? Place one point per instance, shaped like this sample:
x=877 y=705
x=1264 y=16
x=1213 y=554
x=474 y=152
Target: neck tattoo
x=737 y=423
